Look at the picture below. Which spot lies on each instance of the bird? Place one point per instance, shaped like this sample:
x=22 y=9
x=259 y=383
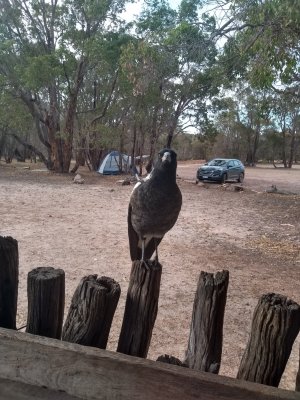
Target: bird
x=154 y=206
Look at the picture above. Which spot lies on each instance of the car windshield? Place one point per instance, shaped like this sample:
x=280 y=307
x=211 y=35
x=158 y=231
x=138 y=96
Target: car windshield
x=216 y=162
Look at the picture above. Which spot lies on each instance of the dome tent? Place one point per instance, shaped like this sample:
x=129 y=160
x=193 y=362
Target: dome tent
x=115 y=163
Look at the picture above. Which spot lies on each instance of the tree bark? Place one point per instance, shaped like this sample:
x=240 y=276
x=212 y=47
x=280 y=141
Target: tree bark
x=174 y=120
x=9 y=274
x=91 y=312
x=66 y=139
x=275 y=325
x=206 y=333
x=46 y=301
x=140 y=309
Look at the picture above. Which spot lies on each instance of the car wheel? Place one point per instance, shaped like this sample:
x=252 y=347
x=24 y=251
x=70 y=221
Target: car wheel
x=241 y=178
x=224 y=178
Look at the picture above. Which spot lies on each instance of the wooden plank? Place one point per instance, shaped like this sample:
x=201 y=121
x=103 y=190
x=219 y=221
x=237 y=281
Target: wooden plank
x=93 y=373
x=11 y=390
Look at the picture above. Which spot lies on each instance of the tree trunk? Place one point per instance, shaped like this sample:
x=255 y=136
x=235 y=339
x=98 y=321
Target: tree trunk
x=174 y=122
x=91 y=312
x=292 y=147
x=133 y=149
x=284 y=158
x=140 y=309
x=206 y=333
x=79 y=160
x=275 y=325
x=9 y=274
x=154 y=130
x=46 y=301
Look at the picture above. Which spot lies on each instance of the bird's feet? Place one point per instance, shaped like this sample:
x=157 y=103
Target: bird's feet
x=149 y=264
x=145 y=263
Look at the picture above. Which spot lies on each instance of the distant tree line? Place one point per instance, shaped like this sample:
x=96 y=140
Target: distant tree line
x=76 y=80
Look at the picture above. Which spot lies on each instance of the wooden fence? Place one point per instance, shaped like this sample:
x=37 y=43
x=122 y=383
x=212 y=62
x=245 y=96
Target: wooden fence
x=56 y=359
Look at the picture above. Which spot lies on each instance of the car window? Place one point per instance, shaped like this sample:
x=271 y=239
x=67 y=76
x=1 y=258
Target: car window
x=216 y=162
x=230 y=164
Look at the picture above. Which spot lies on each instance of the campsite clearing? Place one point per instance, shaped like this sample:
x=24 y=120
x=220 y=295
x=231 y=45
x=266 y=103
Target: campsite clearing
x=83 y=229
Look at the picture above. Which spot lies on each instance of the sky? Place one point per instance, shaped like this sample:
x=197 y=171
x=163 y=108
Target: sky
x=134 y=9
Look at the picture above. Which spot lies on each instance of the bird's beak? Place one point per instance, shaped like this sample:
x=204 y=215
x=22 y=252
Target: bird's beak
x=166 y=157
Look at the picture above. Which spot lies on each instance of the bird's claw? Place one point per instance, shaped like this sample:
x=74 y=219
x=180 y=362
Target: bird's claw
x=147 y=266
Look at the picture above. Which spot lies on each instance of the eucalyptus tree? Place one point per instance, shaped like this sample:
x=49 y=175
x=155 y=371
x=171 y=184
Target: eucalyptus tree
x=230 y=141
x=46 y=50
x=262 y=49
x=263 y=40
x=103 y=105
x=286 y=114
x=14 y=119
x=170 y=68
x=242 y=120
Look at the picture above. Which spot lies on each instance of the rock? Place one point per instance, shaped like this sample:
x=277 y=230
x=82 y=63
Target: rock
x=126 y=182
x=78 y=179
x=238 y=188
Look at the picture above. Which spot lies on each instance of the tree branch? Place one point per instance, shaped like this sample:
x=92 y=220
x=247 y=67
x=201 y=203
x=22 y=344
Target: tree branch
x=33 y=149
x=107 y=103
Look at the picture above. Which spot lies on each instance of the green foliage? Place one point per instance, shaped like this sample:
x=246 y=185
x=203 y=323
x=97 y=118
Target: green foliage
x=188 y=10
x=40 y=71
x=156 y=19
x=267 y=48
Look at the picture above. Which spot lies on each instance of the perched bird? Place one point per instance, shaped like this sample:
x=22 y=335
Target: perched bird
x=154 y=207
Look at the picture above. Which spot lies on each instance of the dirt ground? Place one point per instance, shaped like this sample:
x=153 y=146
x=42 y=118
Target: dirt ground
x=83 y=229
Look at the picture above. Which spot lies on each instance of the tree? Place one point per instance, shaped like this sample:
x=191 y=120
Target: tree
x=287 y=118
x=14 y=122
x=45 y=53
x=170 y=69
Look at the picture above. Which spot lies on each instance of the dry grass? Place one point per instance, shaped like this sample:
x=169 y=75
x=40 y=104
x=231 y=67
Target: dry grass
x=266 y=245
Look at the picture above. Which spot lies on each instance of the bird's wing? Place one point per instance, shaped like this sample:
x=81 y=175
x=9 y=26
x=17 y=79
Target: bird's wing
x=150 y=247
x=134 y=245
x=135 y=252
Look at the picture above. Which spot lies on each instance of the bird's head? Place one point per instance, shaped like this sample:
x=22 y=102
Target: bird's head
x=168 y=156
x=166 y=163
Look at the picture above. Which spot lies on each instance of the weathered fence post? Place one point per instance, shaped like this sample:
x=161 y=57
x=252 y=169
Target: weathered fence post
x=167 y=359
x=298 y=376
x=46 y=301
x=275 y=325
x=91 y=311
x=9 y=275
x=140 y=309
x=206 y=333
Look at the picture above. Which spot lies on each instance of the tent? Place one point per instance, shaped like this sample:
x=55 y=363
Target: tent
x=115 y=163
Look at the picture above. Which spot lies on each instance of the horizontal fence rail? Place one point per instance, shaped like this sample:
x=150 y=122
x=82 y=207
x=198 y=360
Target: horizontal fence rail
x=92 y=373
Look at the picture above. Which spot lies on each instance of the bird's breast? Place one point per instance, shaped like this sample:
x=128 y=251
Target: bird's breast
x=153 y=214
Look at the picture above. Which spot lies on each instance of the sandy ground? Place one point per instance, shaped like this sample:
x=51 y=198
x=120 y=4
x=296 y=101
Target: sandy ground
x=83 y=229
